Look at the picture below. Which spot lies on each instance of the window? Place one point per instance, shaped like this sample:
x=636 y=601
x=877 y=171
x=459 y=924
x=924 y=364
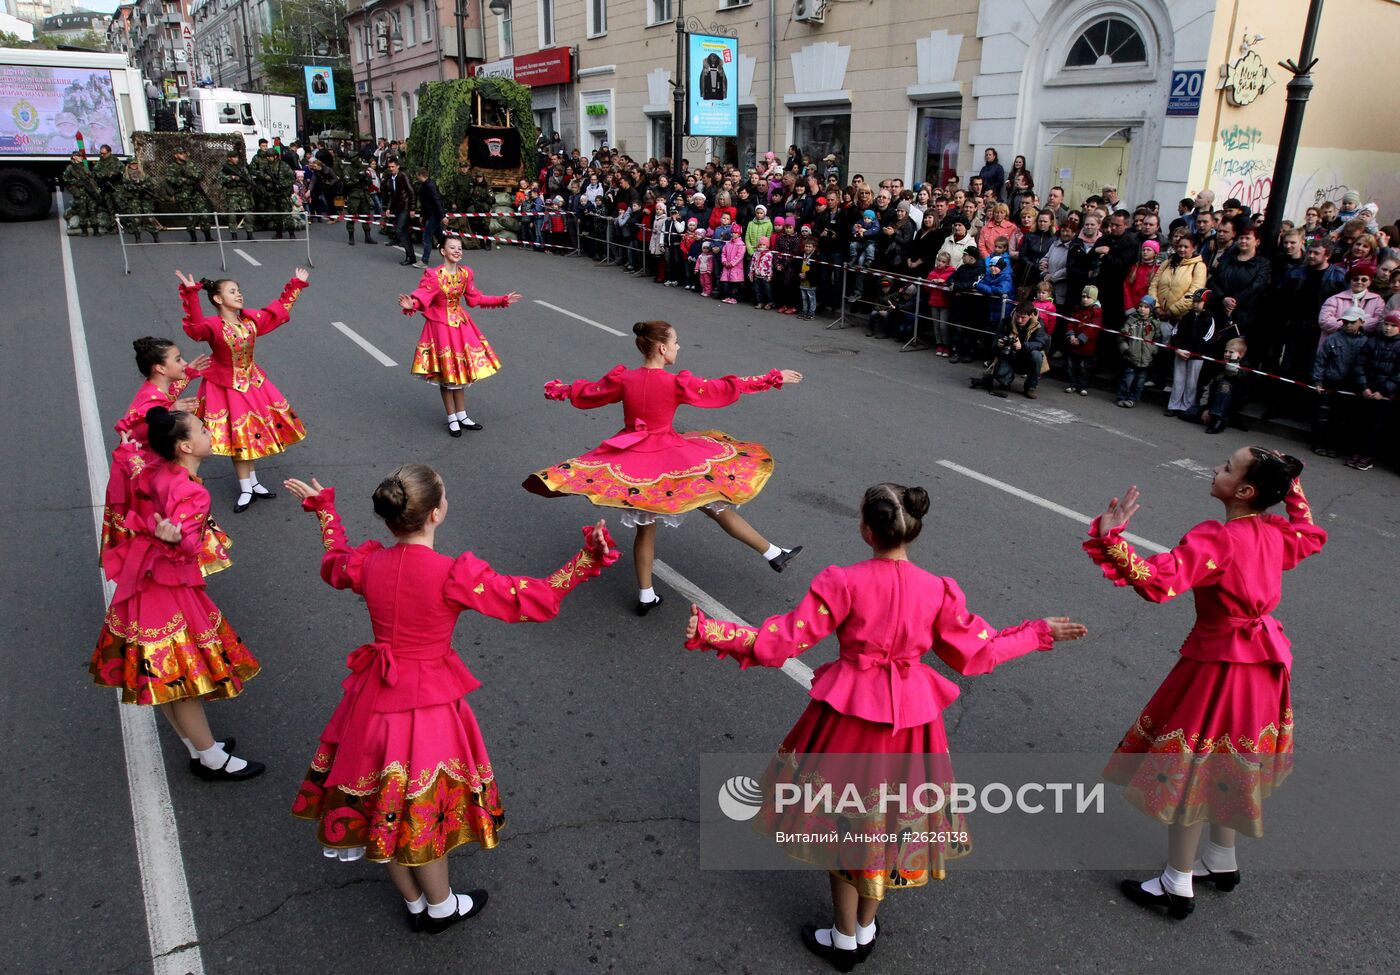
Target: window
x=659 y=12
x=597 y=17
x=544 y=121
x=731 y=4
x=822 y=135
x=937 y=141
x=546 y=23
x=660 y=136
x=408 y=25
x=742 y=151
x=507 y=32
x=427 y=20
x=408 y=113
x=1105 y=43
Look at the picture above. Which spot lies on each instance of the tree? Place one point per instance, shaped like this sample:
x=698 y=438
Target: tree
x=90 y=40
x=311 y=32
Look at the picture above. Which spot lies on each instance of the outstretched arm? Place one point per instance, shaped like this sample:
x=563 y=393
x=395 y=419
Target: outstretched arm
x=277 y=314
x=1199 y=558
x=320 y=501
x=1301 y=537
x=588 y=394
x=473 y=584
x=779 y=637
x=194 y=323
x=724 y=390
x=970 y=645
x=475 y=299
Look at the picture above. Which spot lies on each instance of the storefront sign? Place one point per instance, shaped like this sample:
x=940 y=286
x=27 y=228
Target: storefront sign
x=497 y=69
x=320 y=89
x=1184 y=97
x=552 y=66
x=596 y=110
x=1247 y=79
x=712 y=89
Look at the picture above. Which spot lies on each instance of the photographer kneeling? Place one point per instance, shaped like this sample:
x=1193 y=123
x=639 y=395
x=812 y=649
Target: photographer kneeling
x=1020 y=348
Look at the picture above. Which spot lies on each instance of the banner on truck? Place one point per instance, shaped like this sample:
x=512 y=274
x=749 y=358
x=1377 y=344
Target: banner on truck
x=44 y=110
x=320 y=89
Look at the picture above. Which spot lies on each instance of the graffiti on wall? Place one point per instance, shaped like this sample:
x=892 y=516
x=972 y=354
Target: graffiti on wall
x=1243 y=169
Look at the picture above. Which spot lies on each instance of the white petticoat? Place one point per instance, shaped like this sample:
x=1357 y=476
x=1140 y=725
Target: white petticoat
x=631 y=518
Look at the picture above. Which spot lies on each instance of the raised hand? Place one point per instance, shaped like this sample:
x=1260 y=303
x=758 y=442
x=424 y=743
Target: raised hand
x=166 y=530
x=200 y=364
x=693 y=626
x=301 y=489
x=1064 y=628
x=302 y=274
x=554 y=389
x=1119 y=512
x=512 y=297
x=186 y=404
x=186 y=280
x=406 y=302
x=598 y=538
x=791 y=377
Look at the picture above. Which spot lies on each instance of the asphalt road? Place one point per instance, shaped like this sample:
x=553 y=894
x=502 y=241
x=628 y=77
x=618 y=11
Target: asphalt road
x=596 y=721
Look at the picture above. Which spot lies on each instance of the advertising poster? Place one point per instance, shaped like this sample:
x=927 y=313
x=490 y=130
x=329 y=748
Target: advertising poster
x=320 y=89
x=713 y=88
x=43 y=110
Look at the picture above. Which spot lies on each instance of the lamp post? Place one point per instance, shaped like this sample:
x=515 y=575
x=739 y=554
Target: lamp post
x=371 y=42
x=1299 y=88
x=678 y=93
x=247 y=41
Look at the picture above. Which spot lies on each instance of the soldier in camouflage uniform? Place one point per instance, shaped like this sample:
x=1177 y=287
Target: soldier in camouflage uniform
x=355 y=184
x=107 y=171
x=84 y=192
x=183 y=178
x=137 y=195
x=480 y=199
x=272 y=191
x=237 y=182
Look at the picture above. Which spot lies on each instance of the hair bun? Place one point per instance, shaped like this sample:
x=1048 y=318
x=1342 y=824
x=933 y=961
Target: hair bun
x=1292 y=466
x=639 y=328
x=143 y=344
x=915 y=501
x=159 y=416
x=390 y=498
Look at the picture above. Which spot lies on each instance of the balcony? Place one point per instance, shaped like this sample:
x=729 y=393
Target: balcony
x=172 y=17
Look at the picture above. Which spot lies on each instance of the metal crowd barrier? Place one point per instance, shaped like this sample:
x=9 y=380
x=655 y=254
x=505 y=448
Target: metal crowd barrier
x=300 y=221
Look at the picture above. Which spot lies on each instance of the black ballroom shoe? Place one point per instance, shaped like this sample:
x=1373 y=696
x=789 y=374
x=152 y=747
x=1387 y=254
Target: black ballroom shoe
x=262 y=493
x=863 y=951
x=1178 y=908
x=437 y=925
x=454 y=433
x=250 y=771
x=415 y=921
x=779 y=562
x=1224 y=881
x=841 y=960
x=471 y=426
x=644 y=608
x=241 y=506
x=229 y=744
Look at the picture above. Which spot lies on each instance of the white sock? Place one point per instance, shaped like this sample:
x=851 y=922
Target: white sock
x=194 y=752
x=865 y=933
x=245 y=485
x=1171 y=881
x=1215 y=859
x=418 y=906
x=455 y=904
x=453 y=423
x=215 y=757
x=647 y=595
x=465 y=420
x=772 y=553
x=832 y=938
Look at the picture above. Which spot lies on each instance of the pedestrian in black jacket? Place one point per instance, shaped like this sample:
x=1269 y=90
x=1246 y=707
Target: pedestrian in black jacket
x=1377 y=375
x=1239 y=284
x=1334 y=375
x=431 y=210
x=398 y=205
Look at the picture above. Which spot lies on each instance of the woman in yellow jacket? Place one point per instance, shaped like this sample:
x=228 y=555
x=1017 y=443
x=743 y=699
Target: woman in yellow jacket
x=1181 y=276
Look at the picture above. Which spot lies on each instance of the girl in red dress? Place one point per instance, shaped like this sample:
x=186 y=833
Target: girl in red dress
x=247 y=416
x=876 y=699
x=656 y=474
x=452 y=352
x=167 y=374
x=164 y=641
x=401 y=774
x=1217 y=737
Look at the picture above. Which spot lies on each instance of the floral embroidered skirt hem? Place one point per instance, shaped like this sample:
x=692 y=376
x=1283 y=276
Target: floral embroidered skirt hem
x=170 y=643
x=249 y=425
x=1211 y=745
x=716 y=468
x=421 y=786
x=828 y=747
x=454 y=356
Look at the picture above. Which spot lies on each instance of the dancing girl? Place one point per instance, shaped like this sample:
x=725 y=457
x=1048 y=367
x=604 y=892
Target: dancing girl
x=1217 y=737
x=652 y=472
x=164 y=642
x=401 y=774
x=247 y=416
x=452 y=352
x=876 y=699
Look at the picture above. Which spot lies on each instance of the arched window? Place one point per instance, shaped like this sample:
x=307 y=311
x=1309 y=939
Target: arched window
x=1106 y=43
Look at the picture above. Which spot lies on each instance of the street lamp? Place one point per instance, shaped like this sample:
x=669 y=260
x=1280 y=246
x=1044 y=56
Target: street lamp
x=499 y=7
x=394 y=36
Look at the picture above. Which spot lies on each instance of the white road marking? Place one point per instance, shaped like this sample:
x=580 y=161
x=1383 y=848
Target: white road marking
x=1120 y=433
x=1048 y=505
x=1191 y=467
x=586 y=321
x=1352 y=521
x=1040 y=417
x=793 y=667
x=247 y=257
x=364 y=343
x=169 y=914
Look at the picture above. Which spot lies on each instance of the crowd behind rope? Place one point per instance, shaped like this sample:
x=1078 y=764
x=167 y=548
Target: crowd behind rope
x=995 y=271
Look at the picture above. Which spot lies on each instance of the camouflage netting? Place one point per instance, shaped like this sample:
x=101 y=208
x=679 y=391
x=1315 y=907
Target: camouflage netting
x=155 y=151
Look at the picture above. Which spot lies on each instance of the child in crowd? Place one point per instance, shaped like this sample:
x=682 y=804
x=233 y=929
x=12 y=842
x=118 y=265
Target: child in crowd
x=762 y=275
x=726 y=228
x=787 y=257
x=1082 y=337
x=940 y=303
x=997 y=285
x=731 y=276
x=686 y=261
x=1334 y=373
x=1044 y=302
x=1377 y=373
x=967 y=304
x=807 y=277
x=697 y=247
x=1226 y=395
x=704 y=267
x=864 y=233
x=1195 y=330
x=1139 y=277
x=881 y=308
x=1136 y=348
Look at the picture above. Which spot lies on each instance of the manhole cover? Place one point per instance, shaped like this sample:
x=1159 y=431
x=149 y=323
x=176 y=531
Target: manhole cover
x=830 y=350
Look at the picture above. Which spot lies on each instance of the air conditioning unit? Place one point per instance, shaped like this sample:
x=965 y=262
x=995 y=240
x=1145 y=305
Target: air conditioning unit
x=809 y=11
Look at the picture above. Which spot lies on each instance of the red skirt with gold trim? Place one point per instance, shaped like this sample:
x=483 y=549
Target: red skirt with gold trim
x=1210 y=746
x=424 y=787
x=249 y=425
x=826 y=746
x=454 y=356
x=167 y=643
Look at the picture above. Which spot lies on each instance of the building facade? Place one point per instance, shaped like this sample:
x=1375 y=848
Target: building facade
x=1127 y=92
x=227 y=36
x=157 y=36
x=71 y=26
x=398 y=45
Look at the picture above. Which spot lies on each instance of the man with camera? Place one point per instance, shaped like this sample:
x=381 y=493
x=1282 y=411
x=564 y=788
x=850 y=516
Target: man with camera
x=1020 y=348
